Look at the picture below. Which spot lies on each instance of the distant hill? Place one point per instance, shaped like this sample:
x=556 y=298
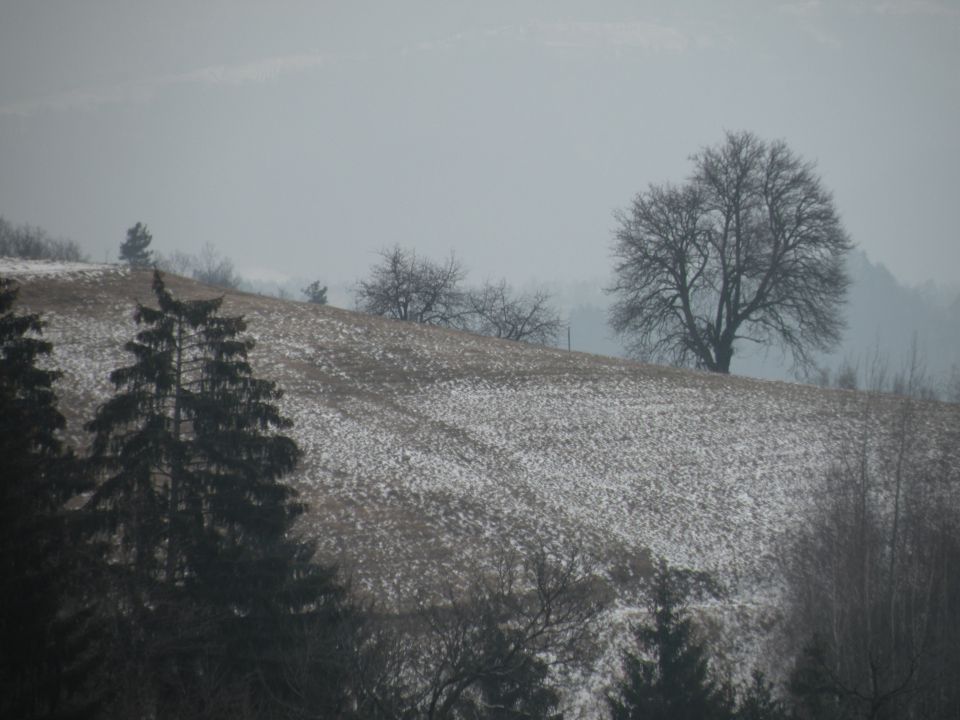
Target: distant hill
x=426 y=448
x=884 y=319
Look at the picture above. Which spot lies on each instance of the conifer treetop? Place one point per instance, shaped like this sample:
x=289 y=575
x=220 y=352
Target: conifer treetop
x=133 y=250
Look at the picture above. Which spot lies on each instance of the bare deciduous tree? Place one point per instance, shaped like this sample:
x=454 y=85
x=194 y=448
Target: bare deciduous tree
x=208 y=267
x=751 y=248
x=498 y=312
x=214 y=269
x=492 y=650
x=406 y=287
x=34 y=243
x=874 y=573
x=176 y=263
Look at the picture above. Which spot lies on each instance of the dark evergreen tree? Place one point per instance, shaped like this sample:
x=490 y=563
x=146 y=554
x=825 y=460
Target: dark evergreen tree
x=316 y=293
x=133 y=250
x=668 y=676
x=46 y=650
x=213 y=590
x=758 y=701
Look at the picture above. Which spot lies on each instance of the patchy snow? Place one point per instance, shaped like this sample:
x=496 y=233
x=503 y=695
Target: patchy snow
x=426 y=448
x=24 y=268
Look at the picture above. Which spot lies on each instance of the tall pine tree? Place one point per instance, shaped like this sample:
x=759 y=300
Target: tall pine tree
x=46 y=650
x=212 y=587
x=669 y=678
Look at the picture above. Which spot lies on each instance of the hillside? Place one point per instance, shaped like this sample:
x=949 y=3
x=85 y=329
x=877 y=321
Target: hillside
x=885 y=320
x=425 y=448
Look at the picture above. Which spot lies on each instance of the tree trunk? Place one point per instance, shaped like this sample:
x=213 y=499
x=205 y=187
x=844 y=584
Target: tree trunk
x=723 y=355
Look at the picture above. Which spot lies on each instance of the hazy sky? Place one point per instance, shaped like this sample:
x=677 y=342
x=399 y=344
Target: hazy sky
x=300 y=137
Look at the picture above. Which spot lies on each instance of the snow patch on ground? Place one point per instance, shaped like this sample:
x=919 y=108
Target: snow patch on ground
x=425 y=449
x=26 y=268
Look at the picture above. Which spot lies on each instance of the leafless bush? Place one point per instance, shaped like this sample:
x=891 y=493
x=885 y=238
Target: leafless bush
x=499 y=312
x=875 y=577
x=33 y=243
x=404 y=286
x=208 y=267
x=500 y=643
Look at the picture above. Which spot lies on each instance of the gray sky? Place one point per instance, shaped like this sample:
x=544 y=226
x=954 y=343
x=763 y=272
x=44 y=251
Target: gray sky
x=300 y=137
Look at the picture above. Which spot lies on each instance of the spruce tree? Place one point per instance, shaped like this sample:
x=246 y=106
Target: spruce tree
x=668 y=677
x=46 y=648
x=213 y=586
x=133 y=250
x=316 y=293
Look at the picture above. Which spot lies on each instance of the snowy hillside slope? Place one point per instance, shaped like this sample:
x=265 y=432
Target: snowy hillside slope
x=425 y=448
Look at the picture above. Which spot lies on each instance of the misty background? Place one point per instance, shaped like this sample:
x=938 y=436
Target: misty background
x=299 y=138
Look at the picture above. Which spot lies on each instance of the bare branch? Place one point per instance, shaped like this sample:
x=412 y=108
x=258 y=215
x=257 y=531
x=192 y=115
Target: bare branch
x=498 y=312
x=403 y=286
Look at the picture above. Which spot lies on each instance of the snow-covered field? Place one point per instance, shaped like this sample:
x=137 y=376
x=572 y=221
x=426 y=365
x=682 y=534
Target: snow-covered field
x=425 y=449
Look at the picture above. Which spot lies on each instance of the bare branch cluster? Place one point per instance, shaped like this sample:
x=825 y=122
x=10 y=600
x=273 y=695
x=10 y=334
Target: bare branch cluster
x=751 y=248
x=495 y=649
x=498 y=312
x=874 y=576
x=208 y=267
x=215 y=269
x=34 y=243
x=405 y=286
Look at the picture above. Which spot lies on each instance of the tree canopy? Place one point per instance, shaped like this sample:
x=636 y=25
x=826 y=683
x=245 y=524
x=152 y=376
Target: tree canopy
x=405 y=286
x=45 y=630
x=134 y=250
x=315 y=293
x=498 y=312
x=750 y=249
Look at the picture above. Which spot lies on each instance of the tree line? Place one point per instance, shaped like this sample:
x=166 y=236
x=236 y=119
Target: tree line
x=408 y=287
x=402 y=285
x=749 y=250
x=34 y=243
x=161 y=574
x=869 y=623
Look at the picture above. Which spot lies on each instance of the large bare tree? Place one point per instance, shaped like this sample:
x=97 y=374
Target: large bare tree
x=407 y=287
x=750 y=249
x=499 y=312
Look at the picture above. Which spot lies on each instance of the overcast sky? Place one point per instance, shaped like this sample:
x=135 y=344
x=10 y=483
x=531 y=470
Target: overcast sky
x=300 y=137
